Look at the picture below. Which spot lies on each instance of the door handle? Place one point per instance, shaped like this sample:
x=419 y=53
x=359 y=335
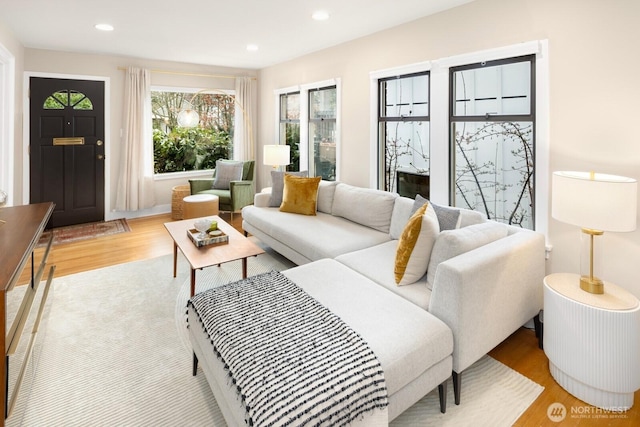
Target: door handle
x=100 y=156
x=99 y=142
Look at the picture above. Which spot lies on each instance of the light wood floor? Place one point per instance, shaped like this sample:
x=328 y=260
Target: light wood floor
x=148 y=239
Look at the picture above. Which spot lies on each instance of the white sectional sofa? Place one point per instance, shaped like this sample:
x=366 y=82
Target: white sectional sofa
x=484 y=279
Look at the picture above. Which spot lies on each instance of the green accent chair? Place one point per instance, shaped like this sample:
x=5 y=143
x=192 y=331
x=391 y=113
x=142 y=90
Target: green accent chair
x=239 y=194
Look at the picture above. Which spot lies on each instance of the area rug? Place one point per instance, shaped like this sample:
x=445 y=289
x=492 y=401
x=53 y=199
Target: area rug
x=91 y=230
x=111 y=352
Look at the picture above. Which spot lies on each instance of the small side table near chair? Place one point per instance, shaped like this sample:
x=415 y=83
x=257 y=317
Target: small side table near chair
x=592 y=341
x=199 y=205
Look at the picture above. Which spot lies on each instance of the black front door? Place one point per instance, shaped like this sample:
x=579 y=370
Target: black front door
x=67 y=148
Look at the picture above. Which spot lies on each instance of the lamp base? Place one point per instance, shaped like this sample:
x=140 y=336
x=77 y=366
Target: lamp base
x=593 y=285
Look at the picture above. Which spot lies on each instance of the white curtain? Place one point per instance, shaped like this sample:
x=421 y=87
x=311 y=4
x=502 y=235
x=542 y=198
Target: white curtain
x=244 y=144
x=135 y=183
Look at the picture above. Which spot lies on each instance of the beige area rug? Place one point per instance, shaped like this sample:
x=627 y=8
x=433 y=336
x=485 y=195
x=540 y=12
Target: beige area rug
x=112 y=352
x=91 y=230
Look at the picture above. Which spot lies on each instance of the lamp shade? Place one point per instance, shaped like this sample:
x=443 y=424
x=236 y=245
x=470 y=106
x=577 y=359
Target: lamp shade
x=276 y=155
x=593 y=200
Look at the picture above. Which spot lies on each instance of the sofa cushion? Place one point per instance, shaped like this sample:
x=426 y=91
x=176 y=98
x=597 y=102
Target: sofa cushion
x=326 y=191
x=366 y=206
x=415 y=244
x=451 y=243
x=313 y=237
x=277 y=186
x=227 y=171
x=406 y=339
x=300 y=195
x=376 y=263
x=469 y=217
x=448 y=217
x=401 y=214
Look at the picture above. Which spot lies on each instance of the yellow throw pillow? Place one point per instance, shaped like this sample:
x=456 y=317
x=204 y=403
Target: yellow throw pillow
x=300 y=195
x=415 y=245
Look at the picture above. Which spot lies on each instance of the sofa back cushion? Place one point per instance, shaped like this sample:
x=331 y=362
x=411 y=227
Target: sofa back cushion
x=469 y=217
x=402 y=210
x=366 y=206
x=326 y=191
x=451 y=243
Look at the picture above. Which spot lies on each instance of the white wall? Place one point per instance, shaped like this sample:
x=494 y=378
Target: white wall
x=11 y=44
x=63 y=63
x=594 y=93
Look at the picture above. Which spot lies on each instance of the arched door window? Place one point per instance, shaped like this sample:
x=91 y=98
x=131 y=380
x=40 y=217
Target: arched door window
x=67 y=98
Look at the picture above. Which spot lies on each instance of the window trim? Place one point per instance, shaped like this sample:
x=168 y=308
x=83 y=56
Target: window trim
x=439 y=109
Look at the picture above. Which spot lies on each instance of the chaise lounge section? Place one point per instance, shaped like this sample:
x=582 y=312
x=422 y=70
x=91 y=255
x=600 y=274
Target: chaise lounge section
x=413 y=347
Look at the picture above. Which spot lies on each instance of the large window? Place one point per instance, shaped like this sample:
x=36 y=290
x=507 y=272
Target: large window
x=289 y=131
x=177 y=148
x=403 y=134
x=322 y=132
x=492 y=118
x=308 y=120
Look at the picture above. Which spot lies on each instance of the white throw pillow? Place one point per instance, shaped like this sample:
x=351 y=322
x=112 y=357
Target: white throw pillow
x=415 y=245
x=451 y=243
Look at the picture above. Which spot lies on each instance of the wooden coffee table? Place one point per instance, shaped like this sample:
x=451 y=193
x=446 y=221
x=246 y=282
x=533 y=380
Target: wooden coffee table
x=239 y=247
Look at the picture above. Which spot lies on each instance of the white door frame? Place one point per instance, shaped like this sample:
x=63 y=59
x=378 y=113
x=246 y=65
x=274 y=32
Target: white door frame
x=7 y=122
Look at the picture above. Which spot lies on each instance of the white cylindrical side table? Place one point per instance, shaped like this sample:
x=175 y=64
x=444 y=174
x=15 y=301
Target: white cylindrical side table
x=592 y=341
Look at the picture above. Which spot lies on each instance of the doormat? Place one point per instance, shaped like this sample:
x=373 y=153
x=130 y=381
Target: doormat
x=79 y=232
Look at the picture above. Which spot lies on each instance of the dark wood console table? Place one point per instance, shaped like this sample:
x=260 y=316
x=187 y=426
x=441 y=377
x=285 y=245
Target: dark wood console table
x=20 y=230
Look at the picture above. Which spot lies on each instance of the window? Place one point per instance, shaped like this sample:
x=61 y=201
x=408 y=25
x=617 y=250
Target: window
x=177 y=148
x=308 y=119
x=290 y=126
x=403 y=134
x=322 y=132
x=67 y=98
x=492 y=122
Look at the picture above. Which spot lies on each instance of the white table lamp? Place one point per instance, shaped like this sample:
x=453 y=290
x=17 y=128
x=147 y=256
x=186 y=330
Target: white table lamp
x=277 y=155
x=596 y=203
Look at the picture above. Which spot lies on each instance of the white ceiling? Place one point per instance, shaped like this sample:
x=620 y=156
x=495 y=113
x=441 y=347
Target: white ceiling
x=212 y=32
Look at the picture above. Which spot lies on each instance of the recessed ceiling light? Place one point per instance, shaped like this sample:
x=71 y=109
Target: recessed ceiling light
x=252 y=47
x=104 y=27
x=320 y=15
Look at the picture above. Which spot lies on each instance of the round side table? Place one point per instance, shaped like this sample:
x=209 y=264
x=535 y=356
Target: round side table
x=199 y=205
x=592 y=341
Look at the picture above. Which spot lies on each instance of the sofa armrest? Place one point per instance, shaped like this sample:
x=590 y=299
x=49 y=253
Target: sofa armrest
x=241 y=194
x=201 y=184
x=486 y=294
x=261 y=200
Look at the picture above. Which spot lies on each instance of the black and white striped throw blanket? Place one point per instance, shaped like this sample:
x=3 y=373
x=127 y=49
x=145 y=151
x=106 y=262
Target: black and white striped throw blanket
x=293 y=362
